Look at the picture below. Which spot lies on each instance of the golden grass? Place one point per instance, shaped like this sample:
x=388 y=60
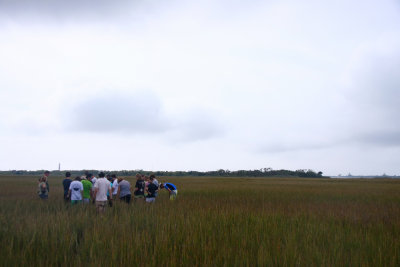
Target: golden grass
x=213 y=222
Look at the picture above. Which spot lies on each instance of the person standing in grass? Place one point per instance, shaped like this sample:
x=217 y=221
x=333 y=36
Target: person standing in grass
x=75 y=191
x=139 y=187
x=151 y=192
x=93 y=179
x=87 y=189
x=114 y=185
x=124 y=190
x=146 y=183
x=44 y=179
x=101 y=187
x=109 y=195
x=155 y=182
x=172 y=189
x=42 y=189
x=66 y=183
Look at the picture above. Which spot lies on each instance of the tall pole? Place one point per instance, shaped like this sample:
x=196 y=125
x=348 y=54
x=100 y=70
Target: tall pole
x=59 y=166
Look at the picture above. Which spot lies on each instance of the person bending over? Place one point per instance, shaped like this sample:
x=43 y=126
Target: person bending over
x=171 y=188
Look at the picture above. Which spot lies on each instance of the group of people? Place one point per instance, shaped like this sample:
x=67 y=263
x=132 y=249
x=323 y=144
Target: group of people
x=102 y=190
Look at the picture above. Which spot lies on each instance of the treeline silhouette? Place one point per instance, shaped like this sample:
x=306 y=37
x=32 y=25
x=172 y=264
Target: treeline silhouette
x=264 y=172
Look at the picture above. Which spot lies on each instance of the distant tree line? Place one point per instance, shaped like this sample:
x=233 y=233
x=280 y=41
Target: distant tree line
x=264 y=172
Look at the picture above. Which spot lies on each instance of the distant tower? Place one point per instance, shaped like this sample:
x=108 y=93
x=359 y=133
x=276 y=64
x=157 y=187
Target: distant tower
x=59 y=166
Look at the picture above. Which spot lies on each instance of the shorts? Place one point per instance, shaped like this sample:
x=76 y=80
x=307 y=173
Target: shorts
x=150 y=199
x=101 y=204
x=172 y=195
x=74 y=202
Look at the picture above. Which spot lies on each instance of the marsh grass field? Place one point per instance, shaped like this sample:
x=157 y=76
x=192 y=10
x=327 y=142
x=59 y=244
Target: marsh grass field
x=213 y=222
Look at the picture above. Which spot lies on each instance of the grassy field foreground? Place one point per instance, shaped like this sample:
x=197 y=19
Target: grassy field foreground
x=214 y=222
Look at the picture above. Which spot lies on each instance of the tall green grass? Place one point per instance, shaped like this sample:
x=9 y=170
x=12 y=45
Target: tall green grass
x=213 y=222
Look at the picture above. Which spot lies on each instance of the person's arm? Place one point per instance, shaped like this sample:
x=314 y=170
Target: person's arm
x=118 y=191
x=110 y=192
x=96 y=189
x=91 y=192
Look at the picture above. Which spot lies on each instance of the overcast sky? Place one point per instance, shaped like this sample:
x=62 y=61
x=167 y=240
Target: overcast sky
x=200 y=85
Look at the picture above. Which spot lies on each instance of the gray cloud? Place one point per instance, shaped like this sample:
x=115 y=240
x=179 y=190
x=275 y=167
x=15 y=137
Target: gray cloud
x=386 y=138
x=139 y=113
x=118 y=112
x=282 y=147
x=196 y=124
x=375 y=97
x=73 y=9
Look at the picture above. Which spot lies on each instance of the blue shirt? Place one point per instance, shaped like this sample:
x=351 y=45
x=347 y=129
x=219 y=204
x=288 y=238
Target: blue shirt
x=108 y=193
x=170 y=186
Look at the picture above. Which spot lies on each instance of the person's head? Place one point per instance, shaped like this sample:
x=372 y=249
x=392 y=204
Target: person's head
x=89 y=176
x=146 y=178
x=83 y=177
x=120 y=179
x=101 y=175
x=67 y=174
x=46 y=173
x=152 y=177
x=113 y=176
x=162 y=186
x=138 y=176
x=77 y=178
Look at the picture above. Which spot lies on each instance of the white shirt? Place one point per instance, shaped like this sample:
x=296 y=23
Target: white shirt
x=115 y=187
x=76 y=188
x=155 y=182
x=102 y=185
x=94 y=179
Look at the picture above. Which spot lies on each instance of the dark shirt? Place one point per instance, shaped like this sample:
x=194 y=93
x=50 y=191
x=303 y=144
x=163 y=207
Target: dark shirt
x=66 y=182
x=140 y=186
x=152 y=188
